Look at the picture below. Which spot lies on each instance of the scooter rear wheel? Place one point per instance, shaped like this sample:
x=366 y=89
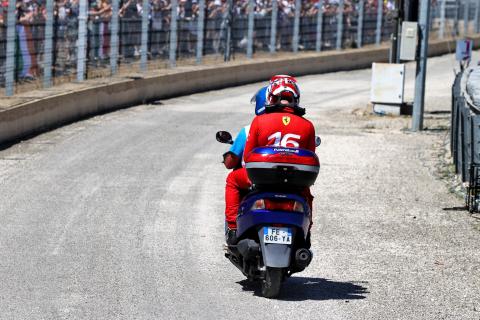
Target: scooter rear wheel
x=272 y=283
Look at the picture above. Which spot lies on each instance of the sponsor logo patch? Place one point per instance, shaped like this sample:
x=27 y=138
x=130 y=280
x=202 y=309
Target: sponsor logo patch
x=286 y=120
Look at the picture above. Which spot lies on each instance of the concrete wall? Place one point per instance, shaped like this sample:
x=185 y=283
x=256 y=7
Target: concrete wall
x=50 y=112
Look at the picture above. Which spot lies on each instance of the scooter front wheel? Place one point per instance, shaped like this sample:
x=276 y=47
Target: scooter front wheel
x=272 y=283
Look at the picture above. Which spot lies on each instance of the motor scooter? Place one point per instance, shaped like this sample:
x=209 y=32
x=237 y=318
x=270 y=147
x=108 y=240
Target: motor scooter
x=272 y=237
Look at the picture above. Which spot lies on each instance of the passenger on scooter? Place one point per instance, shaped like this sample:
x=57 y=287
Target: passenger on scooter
x=281 y=125
x=233 y=158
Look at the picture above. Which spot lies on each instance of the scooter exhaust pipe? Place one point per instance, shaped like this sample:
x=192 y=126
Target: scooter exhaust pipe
x=248 y=248
x=303 y=257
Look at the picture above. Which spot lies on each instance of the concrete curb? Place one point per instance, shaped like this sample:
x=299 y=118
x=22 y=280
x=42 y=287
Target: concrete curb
x=43 y=114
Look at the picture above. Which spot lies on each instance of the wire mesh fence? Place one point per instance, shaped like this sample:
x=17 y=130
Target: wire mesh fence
x=50 y=41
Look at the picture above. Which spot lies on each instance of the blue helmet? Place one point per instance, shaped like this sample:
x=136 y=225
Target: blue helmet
x=260 y=99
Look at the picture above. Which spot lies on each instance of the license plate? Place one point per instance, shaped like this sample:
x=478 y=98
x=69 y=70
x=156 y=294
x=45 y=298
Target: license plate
x=277 y=235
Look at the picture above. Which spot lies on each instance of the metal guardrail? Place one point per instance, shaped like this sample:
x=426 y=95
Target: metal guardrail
x=49 y=41
x=465 y=140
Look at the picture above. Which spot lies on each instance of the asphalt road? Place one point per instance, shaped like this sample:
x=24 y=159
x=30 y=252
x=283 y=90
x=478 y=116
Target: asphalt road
x=121 y=216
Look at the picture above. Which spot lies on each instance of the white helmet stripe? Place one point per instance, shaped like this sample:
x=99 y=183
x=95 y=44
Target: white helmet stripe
x=282 y=89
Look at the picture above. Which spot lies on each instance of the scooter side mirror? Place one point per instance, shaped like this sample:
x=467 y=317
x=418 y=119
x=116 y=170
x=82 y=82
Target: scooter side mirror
x=318 y=141
x=224 y=137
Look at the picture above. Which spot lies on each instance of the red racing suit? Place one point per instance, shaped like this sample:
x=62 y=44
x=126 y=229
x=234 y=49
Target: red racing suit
x=280 y=129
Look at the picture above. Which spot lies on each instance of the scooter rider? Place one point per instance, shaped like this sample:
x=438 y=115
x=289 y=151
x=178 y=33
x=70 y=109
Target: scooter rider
x=281 y=125
x=233 y=158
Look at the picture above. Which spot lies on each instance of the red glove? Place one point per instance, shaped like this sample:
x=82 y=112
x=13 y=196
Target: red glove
x=230 y=160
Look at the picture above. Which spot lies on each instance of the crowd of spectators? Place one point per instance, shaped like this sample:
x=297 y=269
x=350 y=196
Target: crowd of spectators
x=31 y=17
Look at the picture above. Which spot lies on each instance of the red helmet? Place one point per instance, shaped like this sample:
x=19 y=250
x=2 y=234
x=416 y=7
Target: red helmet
x=283 y=92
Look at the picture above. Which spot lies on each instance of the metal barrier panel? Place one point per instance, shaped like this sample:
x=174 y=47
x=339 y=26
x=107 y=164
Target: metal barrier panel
x=388 y=21
x=172 y=52
x=475 y=136
x=239 y=35
x=48 y=46
x=360 y=16
x=319 y=27
x=200 y=16
x=369 y=23
x=251 y=15
x=296 y=25
x=329 y=27
x=308 y=28
x=273 y=26
x=114 y=37
x=454 y=127
x=285 y=24
x=466 y=143
x=3 y=48
x=460 y=138
x=459 y=144
x=187 y=26
x=340 y=19
x=378 y=28
x=10 y=38
x=144 y=37
x=82 y=48
x=350 y=26
x=159 y=35
x=264 y=35
x=454 y=133
x=221 y=19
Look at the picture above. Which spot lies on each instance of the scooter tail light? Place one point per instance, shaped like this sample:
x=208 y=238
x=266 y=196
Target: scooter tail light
x=298 y=207
x=258 y=205
x=272 y=205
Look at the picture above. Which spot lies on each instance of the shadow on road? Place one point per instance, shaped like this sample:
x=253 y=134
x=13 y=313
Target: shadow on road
x=302 y=288
x=464 y=208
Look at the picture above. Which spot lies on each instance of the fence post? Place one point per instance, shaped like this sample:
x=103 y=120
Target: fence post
x=441 y=32
x=47 y=51
x=340 y=24
x=144 y=43
x=273 y=28
x=455 y=30
x=200 y=25
x=296 y=25
x=114 y=38
x=173 y=35
x=475 y=20
x=465 y=17
x=378 y=32
x=10 y=63
x=251 y=12
x=82 y=35
x=228 y=20
x=318 y=41
x=421 y=71
x=433 y=15
x=361 y=7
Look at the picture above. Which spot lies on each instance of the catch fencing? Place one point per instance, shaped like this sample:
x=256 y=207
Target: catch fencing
x=465 y=136
x=44 y=42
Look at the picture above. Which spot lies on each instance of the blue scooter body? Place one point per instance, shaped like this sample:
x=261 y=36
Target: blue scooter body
x=274 y=255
